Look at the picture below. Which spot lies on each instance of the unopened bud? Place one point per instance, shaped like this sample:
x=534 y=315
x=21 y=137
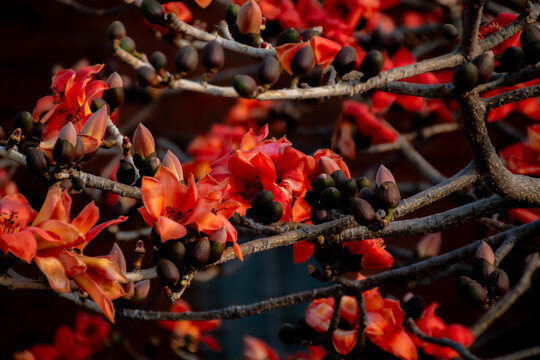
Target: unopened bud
x=272 y=213
x=498 y=283
x=213 y=56
x=383 y=175
x=303 y=61
x=167 y=273
x=116 y=30
x=345 y=60
x=388 y=194
x=217 y=244
x=244 y=85
x=372 y=64
x=147 y=76
x=249 y=19
x=23 y=121
x=288 y=36
x=231 y=13
x=158 y=60
x=114 y=95
x=186 y=59
x=471 y=291
x=269 y=71
x=362 y=211
x=174 y=251
x=152 y=11
x=199 y=252
x=36 y=161
x=484 y=251
x=429 y=245
x=485 y=64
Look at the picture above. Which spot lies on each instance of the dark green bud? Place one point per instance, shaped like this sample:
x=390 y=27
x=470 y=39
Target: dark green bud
x=231 y=13
x=149 y=166
x=158 y=60
x=63 y=152
x=174 y=251
x=532 y=52
x=485 y=65
x=414 y=307
x=269 y=71
x=471 y=291
x=303 y=61
x=128 y=44
x=116 y=30
x=465 y=78
x=362 y=211
x=363 y=182
x=272 y=213
x=372 y=64
x=199 y=252
x=306 y=35
x=244 y=85
x=23 y=121
x=167 y=273
x=345 y=60
x=347 y=188
x=450 y=32
x=125 y=173
x=152 y=11
x=318 y=216
x=213 y=56
x=338 y=176
x=388 y=194
x=288 y=36
x=186 y=59
x=261 y=200
x=312 y=198
x=329 y=198
x=147 y=76
x=216 y=251
x=114 y=97
x=287 y=334
x=512 y=59
x=235 y=219
x=322 y=182
x=498 y=283
x=36 y=161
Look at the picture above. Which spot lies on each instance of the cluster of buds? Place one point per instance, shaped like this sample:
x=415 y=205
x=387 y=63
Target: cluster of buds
x=246 y=22
x=193 y=251
x=264 y=209
x=488 y=283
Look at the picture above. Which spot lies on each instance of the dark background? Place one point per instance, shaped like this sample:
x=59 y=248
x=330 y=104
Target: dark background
x=38 y=35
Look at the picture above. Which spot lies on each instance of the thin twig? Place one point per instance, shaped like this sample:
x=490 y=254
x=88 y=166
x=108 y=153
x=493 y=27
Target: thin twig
x=511 y=96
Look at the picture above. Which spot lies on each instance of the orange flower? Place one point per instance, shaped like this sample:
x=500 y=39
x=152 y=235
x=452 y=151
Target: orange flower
x=187 y=334
x=384 y=324
x=432 y=325
x=324 y=50
x=73 y=93
x=256 y=349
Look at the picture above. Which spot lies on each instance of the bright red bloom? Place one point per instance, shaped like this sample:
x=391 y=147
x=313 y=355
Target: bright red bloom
x=529 y=107
x=384 y=324
x=187 y=333
x=249 y=113
x=524 y=157
x=432 y=325
x=324 y=50
x=256 y=349
x=502 y=20
x=73 y=93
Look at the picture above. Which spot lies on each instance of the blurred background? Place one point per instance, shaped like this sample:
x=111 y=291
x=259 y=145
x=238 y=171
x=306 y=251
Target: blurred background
x=39 y=37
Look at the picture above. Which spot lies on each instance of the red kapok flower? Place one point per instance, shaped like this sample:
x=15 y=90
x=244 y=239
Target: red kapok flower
x=187 y=333
x=324 y=50
x=15 y=235
x=256 y=349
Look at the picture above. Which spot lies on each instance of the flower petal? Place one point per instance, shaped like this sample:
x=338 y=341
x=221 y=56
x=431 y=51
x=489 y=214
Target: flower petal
x=53 y=269
x=169 y=229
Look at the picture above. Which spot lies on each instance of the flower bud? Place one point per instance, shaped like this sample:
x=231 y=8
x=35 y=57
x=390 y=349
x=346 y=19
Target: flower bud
x=186 y=59
x=114 y=95
x=79 y=150
x=512 y=59
x=465 y=78
x=272 y=213
x=128 y=44
x=125 y=173
x=143 y=143
x=383 y=175
x=96 y=125
x=288 y=36
x=213 y=56
x=484 y=251
x=199 y=252
x=471 y=291
x=147 y=76
x=362 y=211
x=312 y=198
x=287 y=334
x=97 y=104
x=322 y=182
x=217 y=244
x=158 y=60
x=429 y=245
x=345 y=60
x=249 y=19
x=313 y=78
x=318 y=216
x=150 y=166
x=388 y=194
x=485 y=64
x=36 y=161
x=269 y=71
x=338 y=176
x=116 y=30
x=231 y=13
x=152 y=11
x=23 y=121
x=64 y=147
x=368 y=195
x=347 y=188
x=482 y=269
x=450 y=32
x=372 y=64
x=141 y=290
x=364 y=182
x=498 y=283
x=244 y=85
x=303 y=61
x=174 y=251
x=307 y=34
x=167 y=273
x=329 y=198
x=261 y=200
x=171 y=162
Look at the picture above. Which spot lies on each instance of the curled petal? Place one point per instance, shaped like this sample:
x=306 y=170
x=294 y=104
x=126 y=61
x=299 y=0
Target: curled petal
x=85 y=282
x=54 y=271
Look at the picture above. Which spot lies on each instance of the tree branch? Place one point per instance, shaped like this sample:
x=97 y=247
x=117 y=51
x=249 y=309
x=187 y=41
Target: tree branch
x=471 y=24
x=511 y=96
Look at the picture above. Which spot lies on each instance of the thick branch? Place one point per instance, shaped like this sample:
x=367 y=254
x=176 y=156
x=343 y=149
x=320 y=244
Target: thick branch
x=471 y=24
